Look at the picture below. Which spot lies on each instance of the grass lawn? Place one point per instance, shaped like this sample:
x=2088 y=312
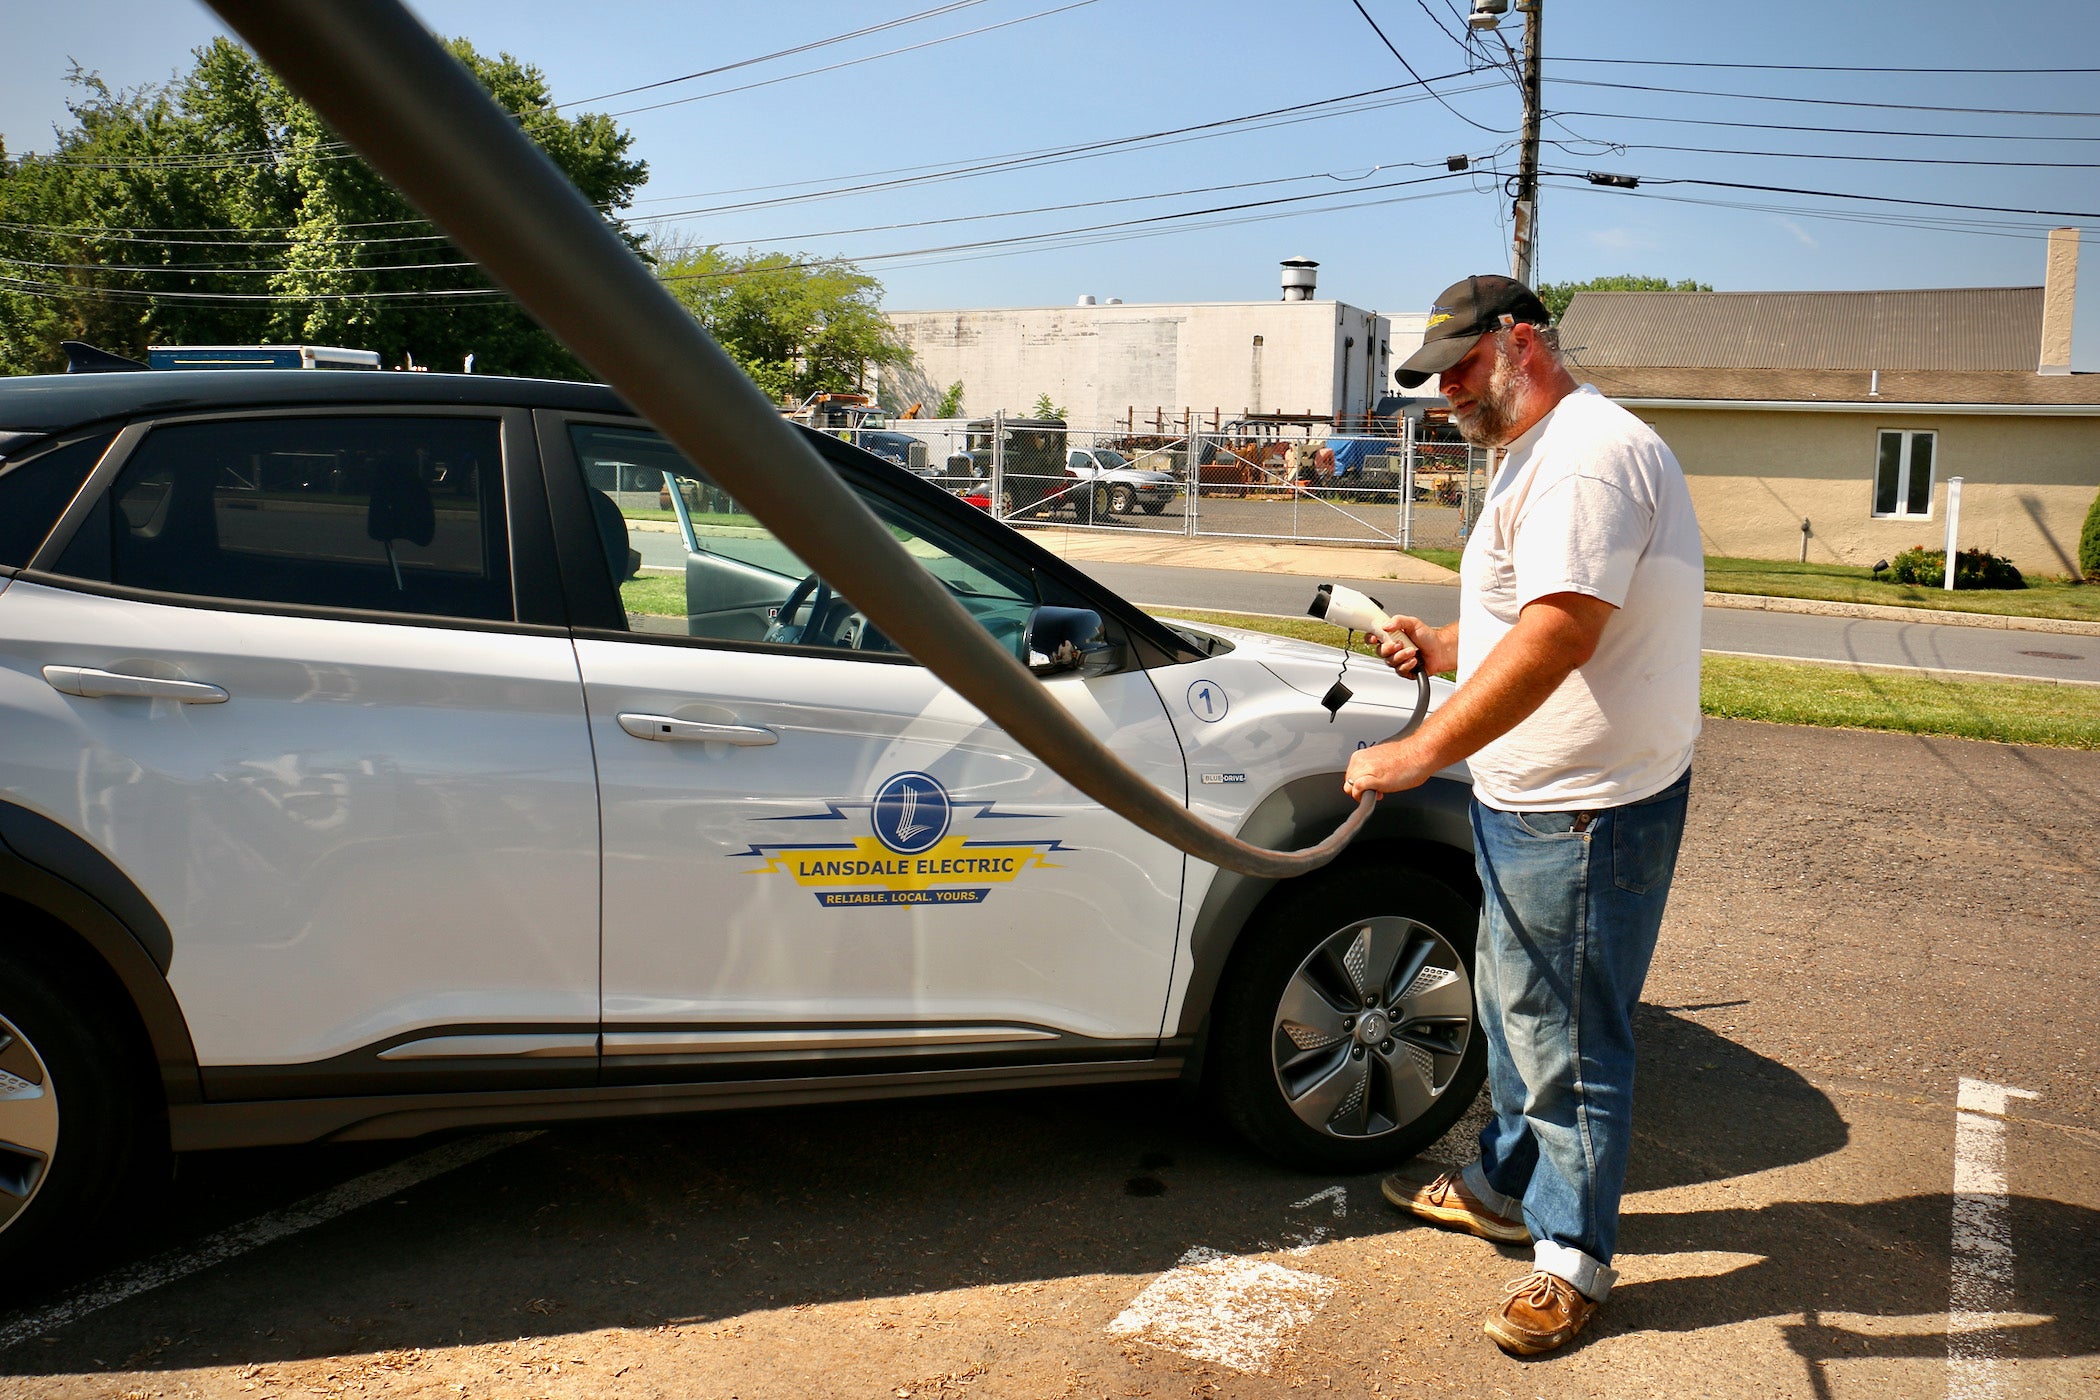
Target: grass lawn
x=660 y=595
x=1841 y=583
x=1837 y=696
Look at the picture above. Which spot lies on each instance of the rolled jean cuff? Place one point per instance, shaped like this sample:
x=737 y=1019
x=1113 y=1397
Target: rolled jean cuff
x=1476 y=1182
x=1588 y=1277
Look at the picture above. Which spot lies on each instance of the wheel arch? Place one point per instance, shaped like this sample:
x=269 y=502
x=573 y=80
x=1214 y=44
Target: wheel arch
x=66 y=902
x=1429 y=827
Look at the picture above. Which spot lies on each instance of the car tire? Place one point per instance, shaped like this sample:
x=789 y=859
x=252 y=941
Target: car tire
x=1006 y=502
x=72 y=1125
x=1290 y=1068
x=1121 y=499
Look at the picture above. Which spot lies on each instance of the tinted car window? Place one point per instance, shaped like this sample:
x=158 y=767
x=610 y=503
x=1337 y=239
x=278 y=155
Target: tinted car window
x=34 y=493
x=737 y=581
x=379 y=514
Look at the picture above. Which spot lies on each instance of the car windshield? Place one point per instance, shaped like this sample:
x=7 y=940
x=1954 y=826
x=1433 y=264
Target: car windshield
x=1109 y=457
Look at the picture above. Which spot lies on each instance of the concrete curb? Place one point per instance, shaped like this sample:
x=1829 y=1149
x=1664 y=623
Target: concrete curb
x=1875 y=612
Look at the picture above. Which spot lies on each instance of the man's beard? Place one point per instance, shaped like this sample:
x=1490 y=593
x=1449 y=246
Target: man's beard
x=1491 y=421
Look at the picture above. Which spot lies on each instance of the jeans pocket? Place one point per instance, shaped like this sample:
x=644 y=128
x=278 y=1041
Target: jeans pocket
x=1644 y=841
x=1549 y=824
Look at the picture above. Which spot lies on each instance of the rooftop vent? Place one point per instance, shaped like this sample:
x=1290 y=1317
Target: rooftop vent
x=1299 y=279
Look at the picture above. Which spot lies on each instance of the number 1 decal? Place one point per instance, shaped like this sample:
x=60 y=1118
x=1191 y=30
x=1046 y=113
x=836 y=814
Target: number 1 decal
x=1208 y=702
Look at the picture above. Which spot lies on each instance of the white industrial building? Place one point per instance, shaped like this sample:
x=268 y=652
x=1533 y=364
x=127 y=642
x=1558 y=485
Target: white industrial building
x=1168 y=364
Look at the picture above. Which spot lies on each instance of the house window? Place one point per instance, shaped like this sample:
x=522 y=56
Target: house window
x=1903 y=474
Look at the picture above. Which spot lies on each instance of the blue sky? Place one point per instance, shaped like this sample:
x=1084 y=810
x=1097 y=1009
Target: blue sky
x=1104 y=70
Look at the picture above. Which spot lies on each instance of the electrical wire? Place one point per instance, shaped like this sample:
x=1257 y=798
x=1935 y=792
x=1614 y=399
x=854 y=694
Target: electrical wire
x=1823 y=101
x=1807 y=67
x=861 y=33
x=1492 y=131
x=1841 y=194
x=1392 y=94
x=854 y=62
x=1622 y=146
x=1826 y=130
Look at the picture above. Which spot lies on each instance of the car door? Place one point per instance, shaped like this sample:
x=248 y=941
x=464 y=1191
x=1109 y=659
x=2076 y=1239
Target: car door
x=270 y=665
x=816 y=854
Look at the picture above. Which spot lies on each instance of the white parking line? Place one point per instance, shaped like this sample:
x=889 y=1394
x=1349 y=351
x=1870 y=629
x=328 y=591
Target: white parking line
x=1980 y=1288
x=235 y=1240
x=1234 y=1311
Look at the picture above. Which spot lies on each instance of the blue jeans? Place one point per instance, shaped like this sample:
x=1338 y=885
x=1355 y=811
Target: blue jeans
x=1573 y=902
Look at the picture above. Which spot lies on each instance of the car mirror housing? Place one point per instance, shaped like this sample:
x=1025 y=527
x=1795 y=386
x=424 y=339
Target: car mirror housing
x=1063 y=640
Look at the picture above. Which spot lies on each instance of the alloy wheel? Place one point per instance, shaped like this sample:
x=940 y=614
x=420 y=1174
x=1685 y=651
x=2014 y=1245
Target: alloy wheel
x=28 y=1121
x=1371 y=1029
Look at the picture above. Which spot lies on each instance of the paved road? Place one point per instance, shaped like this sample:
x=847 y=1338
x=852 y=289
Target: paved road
x=1861 y=922
x=1986 y=649
x=1992 y=651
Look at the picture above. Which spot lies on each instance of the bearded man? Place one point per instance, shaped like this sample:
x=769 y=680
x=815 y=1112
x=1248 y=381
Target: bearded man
x=1577 y=652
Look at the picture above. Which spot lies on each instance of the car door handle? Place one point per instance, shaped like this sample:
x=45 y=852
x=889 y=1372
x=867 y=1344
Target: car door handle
x=665 y=729
x=95 y=685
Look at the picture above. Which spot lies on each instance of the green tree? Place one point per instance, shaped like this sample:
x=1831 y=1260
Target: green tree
x=2089 y=545
x=796 y=327
x=220 y=209
x=951 y=404
x=1557 y=295
x=1043 y=408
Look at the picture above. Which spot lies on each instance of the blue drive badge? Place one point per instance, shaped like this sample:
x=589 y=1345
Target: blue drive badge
x=910 y=813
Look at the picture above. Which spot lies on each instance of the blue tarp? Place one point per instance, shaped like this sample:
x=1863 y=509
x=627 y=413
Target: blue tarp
x=1350 y=452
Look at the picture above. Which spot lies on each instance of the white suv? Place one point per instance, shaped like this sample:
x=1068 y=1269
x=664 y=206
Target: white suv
x=367 y=770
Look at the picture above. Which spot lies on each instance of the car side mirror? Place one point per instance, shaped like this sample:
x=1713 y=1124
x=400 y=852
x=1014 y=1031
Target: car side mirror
x=1063 y=640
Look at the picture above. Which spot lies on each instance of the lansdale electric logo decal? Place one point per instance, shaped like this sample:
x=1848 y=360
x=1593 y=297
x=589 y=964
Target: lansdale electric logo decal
x=915 y=853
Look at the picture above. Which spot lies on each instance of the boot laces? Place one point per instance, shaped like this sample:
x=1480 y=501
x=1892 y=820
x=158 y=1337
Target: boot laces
x=1538 y=1289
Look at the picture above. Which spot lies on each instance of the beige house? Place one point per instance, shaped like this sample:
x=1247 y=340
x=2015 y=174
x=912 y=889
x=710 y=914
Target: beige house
x=1844 y=414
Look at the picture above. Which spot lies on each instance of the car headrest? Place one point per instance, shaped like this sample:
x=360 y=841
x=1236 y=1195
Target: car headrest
x=401 y=508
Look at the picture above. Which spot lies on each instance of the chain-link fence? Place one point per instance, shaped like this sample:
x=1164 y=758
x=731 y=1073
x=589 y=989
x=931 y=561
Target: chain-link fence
x=1410 y=491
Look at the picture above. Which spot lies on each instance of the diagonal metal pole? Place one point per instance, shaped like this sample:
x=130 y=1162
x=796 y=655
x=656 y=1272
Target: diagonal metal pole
x=389 y=88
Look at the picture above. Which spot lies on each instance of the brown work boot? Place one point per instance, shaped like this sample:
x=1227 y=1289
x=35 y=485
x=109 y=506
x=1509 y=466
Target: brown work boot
x=1442 y=1199
x=1540 y=1312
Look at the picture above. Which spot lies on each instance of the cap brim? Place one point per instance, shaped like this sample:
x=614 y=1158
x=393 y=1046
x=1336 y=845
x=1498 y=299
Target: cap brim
x=1434 y=357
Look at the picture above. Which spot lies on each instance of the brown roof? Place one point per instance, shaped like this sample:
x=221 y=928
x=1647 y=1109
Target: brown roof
x=1838 y=386
x=1970 y=329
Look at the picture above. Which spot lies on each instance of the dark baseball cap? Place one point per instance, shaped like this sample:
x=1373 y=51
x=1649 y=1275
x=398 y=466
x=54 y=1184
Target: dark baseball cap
x=1464 y=312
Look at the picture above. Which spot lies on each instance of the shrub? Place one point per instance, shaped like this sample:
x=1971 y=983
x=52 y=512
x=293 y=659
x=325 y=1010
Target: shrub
x=1973 y=568
x=2089 y=544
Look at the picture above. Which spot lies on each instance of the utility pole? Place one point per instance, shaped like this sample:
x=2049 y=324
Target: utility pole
x=1525 y=212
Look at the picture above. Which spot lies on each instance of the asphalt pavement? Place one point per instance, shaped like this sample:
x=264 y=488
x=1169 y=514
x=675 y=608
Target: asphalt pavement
x=1866 y=1164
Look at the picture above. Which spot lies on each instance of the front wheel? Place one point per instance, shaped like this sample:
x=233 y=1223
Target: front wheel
x=1345 y=1037
x=1121 y=499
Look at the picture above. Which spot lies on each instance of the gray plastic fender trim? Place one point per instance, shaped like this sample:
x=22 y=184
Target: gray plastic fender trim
x=55 y=872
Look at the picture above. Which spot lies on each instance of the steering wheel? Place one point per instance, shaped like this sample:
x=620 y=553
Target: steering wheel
x=817 y=593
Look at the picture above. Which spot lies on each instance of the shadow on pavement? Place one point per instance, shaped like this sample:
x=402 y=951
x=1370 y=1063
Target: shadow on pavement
x=672 y=1222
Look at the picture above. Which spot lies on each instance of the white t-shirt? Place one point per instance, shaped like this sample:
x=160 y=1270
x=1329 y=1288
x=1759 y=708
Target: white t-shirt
x=1590 y=501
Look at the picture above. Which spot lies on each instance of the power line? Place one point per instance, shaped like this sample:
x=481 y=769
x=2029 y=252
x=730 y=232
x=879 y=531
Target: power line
x=1827 y=130
x=1925 y=223
x=1824 y=155
x=1285 y=116
x=1824 y=101
x=1124 y=199
x=1841 y=194
x=1492 y=131
x=933 y=13
x=853 y=62
x=1387 y=95
x=1809 y=67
